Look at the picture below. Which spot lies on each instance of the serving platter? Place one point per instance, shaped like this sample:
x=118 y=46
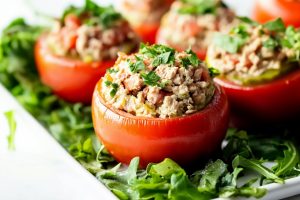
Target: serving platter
x=40 y=168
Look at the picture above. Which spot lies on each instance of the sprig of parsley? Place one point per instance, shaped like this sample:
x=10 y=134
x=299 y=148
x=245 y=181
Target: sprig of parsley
x=150 y=78
x=105 y=16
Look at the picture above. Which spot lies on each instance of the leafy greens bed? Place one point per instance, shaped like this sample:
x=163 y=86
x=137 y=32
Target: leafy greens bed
x=71 y=125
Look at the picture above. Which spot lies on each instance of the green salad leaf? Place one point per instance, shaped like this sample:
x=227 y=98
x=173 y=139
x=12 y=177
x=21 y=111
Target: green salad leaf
x=12 y=124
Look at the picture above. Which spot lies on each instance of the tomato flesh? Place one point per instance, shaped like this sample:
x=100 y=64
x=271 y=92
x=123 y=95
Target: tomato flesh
x=71 y=79
x=183 y=139
x=276 y=101
x=266 y=10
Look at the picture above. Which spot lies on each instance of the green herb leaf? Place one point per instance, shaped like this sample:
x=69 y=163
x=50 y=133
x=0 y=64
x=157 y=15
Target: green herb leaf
x=276 y=25
x=10 y=117
x=107 y=83
x=136 y=66
x=213 y=72
x=256 y=166
x=104 y=16
x=150 y=78
x=289 y=161
x=229 y=43
x=212 y=175
x=270 y=43
x=247 y=20
x=162 y=59
x=197 y=7
x=114 y=89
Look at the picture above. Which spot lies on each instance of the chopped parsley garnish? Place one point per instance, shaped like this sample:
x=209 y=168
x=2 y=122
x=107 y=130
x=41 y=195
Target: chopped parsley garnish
x=238 y=35
x=136 y=66
x=150 y=78
x=229 y=43
x=155 y=50
x=161 y=54
x=114 y=89
x=276 y=25
x=197 y=7
x=249 y=21
x=270 y=43
x=98 y=15
x=107 y=83
x=191 y=59
x=163 y=58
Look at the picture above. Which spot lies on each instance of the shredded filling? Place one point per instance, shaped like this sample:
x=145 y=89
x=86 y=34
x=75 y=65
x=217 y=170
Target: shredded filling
x=158 y=82
x=253 y=53
x=193 y=24
x=92 y=36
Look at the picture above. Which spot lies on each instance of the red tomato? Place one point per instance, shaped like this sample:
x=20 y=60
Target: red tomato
x=183 y=139
x=69 y=78
x=147 y=32
x=275 y=101
x=288 y=10
x=72 y=21
x=160 y=40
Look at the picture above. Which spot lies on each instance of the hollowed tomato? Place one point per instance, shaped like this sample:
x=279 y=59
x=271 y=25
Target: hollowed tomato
x=288 y=10
x=183 y=139
x=70 y=78
x=275 y=101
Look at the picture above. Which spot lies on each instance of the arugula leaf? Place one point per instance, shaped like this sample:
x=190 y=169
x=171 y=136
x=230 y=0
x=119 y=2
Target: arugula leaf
x=277 y=25
x=182 y=188
x=289 y=160
x=256 y=166
x=211 y=176
x=10 y=117
x=238 y=144
x=150 y=78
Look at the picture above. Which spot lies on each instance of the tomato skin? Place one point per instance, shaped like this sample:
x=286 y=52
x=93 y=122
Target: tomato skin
x=147 y=32
x=267 y=10
x=276 y=101
x=183 y=139
x=71 y=79
x=161 y=40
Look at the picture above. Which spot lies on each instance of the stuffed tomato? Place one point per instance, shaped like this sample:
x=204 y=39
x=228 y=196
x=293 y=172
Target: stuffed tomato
x=260 y=71
x=80 y=47
x=268 y=10
x=191 y=24
x=144 y=16
x=159 y=103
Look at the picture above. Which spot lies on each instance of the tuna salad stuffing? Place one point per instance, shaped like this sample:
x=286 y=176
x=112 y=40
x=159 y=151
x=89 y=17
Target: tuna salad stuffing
x=92 y=33
x=253 y=53
x=192 y=23
x=148 y=12
x=158 y=82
